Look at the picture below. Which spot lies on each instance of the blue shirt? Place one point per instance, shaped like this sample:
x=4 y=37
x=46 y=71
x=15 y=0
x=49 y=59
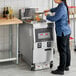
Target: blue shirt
x=61 y=19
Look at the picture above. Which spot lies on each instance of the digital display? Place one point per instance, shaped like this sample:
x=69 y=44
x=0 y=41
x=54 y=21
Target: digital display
x=44 y=35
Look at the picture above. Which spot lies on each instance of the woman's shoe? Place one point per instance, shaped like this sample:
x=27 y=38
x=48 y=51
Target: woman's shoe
x=67 y=69
x=58 y=72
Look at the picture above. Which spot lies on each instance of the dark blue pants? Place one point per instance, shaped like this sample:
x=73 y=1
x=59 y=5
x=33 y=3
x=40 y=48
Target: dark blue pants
x=64 y=51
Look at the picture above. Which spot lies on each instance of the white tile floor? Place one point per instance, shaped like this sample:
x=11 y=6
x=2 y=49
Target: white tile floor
x=10 y=69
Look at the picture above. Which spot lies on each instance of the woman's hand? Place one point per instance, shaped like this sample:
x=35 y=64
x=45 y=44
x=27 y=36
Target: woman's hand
x=45 y=11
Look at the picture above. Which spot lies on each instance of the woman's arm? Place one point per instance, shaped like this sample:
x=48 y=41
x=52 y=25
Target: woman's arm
x=59 y=13
x=53 y=9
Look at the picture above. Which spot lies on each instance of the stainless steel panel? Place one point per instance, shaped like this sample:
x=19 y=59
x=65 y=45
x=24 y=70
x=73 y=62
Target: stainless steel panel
x=26 y=42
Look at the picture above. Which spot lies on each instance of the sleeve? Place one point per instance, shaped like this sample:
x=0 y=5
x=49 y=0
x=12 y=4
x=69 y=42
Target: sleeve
x=58 y=15
x=53 y=9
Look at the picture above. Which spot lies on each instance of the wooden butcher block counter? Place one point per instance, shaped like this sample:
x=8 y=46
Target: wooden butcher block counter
x=5 y=21
x=10 y=22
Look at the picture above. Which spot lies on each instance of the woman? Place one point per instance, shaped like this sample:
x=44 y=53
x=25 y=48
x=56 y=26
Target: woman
x=63 y=32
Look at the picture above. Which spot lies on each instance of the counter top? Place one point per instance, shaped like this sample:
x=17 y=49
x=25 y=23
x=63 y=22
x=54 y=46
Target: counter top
x=5 y=21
